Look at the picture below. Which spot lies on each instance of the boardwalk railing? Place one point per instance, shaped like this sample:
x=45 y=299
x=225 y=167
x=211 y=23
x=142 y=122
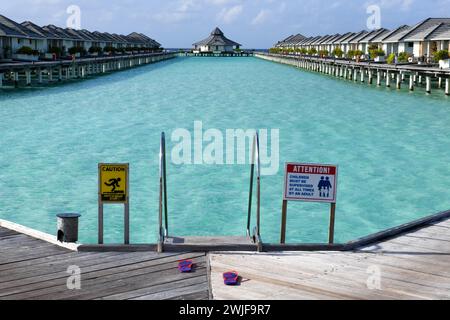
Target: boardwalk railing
x=256 y=164
x=163 y=212
x=370 y=71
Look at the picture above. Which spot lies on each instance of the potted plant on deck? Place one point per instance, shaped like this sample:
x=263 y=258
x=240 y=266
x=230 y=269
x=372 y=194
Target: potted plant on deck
x=95 y=51
x=378 y=55
x=338 y=53
x=312 y=51
x=26 y=54
x=323 y=53
x=443 y=57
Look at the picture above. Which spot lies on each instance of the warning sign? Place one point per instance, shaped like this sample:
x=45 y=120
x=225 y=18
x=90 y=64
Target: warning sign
x=310 y=182
x=113 y=183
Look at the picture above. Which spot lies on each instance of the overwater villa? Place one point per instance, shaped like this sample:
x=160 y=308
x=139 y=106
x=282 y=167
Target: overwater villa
x=216 y=43
x=421 y=40
x=33 y=42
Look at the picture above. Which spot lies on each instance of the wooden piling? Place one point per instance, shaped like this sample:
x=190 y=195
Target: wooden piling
x=428 y=79
x=28 y=77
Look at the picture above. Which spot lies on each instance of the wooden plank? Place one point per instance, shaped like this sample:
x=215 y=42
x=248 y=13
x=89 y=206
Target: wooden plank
x=177 y=293
x=114 y=265
x=99 y=287
x=51 y=267
x=136 y=293
x=99 y=274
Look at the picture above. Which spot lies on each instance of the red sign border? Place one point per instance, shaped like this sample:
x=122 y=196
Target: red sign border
x=286 y=198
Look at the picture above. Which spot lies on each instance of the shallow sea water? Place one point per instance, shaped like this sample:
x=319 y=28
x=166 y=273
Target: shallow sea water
x=393 y=149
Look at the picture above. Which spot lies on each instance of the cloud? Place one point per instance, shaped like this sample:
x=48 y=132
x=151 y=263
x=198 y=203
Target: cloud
x=231 y=14
x=261 y=17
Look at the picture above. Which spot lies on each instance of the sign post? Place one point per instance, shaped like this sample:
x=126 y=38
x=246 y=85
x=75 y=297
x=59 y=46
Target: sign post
x=113 y=188
x=310 y=183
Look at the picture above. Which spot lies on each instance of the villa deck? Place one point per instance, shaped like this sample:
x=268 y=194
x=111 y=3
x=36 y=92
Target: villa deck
x=414 y=265
x=34 y=269
x=411 y=263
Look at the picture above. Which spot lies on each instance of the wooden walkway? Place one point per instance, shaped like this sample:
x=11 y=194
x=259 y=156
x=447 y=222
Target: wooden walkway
x=34 y=269
x=415 y=265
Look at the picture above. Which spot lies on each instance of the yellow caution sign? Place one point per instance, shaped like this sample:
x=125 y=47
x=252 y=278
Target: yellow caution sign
x=113 y=183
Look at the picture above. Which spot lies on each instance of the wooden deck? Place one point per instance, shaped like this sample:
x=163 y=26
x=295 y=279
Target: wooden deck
x=37 y=270
x=415 y=265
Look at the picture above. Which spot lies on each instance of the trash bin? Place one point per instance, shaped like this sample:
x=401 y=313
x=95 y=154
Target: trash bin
x=68 y=227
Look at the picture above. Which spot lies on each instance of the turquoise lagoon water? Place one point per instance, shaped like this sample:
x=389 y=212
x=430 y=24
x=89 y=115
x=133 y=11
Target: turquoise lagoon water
x=393 y=149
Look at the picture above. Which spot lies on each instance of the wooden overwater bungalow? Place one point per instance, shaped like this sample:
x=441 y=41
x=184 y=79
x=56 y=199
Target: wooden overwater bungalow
x=217 y=45
x=31 y=54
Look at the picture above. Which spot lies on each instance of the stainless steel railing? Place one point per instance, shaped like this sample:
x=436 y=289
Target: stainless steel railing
x=256 y=163
x=163 y=212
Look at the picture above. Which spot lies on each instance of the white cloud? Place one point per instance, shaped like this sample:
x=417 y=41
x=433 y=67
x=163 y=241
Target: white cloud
x=261 y=17
x=231 y=14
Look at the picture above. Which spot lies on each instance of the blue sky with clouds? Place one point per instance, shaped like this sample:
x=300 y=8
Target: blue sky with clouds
x=254 y=23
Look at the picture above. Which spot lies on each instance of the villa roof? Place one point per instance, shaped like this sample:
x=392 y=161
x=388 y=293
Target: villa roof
x=217 y=38
x=312 y=40
x=373 y=35
x=396 y=34
x=420 y=31
x=331 y=39
x=102 y=37
x=320 y=40
x=343 y=38
x=285 y=40
x=441 y=33
x=123 y=39
x=296 y=39
x=304 y=41
x=379 y=37
x=359 y=37
x=37 y=29
x=12 y=28
x=76 y=35
x=59 y=32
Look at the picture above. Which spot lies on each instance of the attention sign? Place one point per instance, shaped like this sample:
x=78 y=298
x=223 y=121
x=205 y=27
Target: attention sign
x=113 y=183
x=310 y=182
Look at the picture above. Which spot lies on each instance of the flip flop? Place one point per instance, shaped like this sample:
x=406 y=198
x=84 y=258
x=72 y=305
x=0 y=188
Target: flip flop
x=185 y=266
x=231 y=278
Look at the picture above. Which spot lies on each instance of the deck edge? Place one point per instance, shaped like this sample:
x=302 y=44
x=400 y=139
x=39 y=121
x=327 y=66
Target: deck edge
x=37 y=235
x=396 y=231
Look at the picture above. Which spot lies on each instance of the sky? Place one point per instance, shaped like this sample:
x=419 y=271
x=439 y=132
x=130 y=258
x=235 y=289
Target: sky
x=254 y=23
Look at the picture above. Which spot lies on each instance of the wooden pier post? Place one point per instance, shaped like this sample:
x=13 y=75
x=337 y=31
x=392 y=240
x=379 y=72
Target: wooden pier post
x=370 y=77
x=28 y=77
x=440 y=83
x=60 y=77
x=378 y=78
x=388 y=79
x=355 y=74
x=1 y=79
x=447 y=84
x=411 y=82
x=16 y=79
x=362 y=75
x=428 y=79
x=39 y=76
x=50 y=75
x=399 y=81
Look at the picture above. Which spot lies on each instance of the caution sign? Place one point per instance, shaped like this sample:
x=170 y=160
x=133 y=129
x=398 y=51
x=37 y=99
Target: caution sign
x=113 y=183
x=310 y=182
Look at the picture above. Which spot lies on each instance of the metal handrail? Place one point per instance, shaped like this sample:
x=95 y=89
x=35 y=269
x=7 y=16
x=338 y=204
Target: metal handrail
x=256 y=162
x=163 y=212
